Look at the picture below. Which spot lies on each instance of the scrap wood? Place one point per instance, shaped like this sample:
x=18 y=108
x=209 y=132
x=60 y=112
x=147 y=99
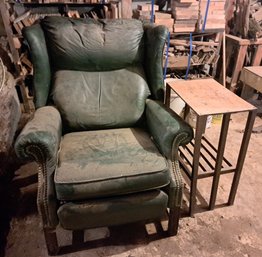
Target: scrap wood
x=186 y=42
x=73 y=14
x=22 y=17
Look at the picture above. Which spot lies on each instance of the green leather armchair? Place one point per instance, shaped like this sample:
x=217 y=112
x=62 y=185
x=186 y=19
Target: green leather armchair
x=105 y=144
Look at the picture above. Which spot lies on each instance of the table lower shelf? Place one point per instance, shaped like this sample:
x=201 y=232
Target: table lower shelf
x=207 y=160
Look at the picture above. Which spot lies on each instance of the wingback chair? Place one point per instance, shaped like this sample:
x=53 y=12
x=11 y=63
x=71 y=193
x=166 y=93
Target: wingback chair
x=105 y=144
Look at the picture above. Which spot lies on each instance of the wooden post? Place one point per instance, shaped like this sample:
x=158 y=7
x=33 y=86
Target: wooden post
x=126 y=9
x=257 y=56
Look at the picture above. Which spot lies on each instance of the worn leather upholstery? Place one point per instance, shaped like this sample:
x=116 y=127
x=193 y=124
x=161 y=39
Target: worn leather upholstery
x=42 y=69
x=95 y=96
x=105 y=144
x=90 y=45
x=148 y=205
x=113 y=162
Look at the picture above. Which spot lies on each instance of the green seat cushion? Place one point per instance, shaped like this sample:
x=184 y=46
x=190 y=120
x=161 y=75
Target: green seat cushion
x=111 y=162
x=94 y=100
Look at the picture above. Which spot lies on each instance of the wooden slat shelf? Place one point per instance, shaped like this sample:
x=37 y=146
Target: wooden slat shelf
x=208 y=155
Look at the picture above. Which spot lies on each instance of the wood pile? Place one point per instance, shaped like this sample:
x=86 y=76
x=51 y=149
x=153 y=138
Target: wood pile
x=185 y=14
x=62 y=1
x=164 y=18
x=255 y=21
x=143 y=11
x=247 y=20
x=203 y=52
x=213 y=12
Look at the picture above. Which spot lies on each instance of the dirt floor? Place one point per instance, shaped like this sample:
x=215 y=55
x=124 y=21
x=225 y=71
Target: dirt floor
x=226 y=231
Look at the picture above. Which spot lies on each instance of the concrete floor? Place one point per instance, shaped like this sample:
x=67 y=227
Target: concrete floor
x=227 y=231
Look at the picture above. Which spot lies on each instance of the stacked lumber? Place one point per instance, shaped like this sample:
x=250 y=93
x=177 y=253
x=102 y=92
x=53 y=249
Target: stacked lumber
x=164 y=18
x=215 y=16
x=143 y=11
x=185 y=14
x=62 y=1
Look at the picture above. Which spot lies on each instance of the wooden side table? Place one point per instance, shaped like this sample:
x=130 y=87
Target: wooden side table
x=252 y=80
x=208 y=97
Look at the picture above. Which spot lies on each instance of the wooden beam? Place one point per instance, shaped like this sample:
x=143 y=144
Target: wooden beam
x=126 y=9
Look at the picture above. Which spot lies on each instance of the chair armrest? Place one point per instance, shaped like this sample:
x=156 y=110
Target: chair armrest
x=168 y=130
x=43 y=131
x=40 y=140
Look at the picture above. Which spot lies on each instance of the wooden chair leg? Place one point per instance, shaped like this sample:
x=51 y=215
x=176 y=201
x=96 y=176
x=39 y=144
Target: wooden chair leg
x=51 y=241
x=174 y=215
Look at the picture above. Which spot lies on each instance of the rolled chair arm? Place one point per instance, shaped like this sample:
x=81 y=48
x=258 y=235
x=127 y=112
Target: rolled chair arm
x=40 y=140
x=43 y=132
x=168 y=130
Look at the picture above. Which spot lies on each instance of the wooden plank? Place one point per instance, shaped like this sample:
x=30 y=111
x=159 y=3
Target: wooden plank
x=114 y=9
x=162 y=15
x=147 y=7
x=239 y=63
x=186 y=1
x=126 y=10
x=237 y=40
x=257 y=56
x=186 y=42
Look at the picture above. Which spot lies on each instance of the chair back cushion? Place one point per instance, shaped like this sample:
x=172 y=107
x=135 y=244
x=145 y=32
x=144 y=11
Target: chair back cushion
x=91 y=45
x=97 y=100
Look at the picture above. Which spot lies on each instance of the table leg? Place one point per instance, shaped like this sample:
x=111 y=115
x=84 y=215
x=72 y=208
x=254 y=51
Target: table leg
x=219 y=159
x=257 y=56
x=247 y=91
x=186 y=111
x=167 y=95
x=200 y=128
x=242 y=155
x=242 y=49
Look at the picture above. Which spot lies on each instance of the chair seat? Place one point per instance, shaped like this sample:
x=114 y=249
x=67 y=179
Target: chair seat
x=108 y=162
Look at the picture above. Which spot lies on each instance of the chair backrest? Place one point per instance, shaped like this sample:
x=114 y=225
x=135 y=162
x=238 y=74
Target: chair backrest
x=97 y=72
x=93 y=45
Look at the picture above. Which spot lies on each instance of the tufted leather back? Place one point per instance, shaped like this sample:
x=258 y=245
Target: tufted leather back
x=91 y=45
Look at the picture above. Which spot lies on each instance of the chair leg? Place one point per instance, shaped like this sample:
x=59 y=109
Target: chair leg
x=174 y=215
x=51 y=241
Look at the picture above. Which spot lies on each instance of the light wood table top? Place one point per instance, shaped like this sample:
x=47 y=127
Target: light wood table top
x=252 y=77
x=208 y=97
x=257 y=70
